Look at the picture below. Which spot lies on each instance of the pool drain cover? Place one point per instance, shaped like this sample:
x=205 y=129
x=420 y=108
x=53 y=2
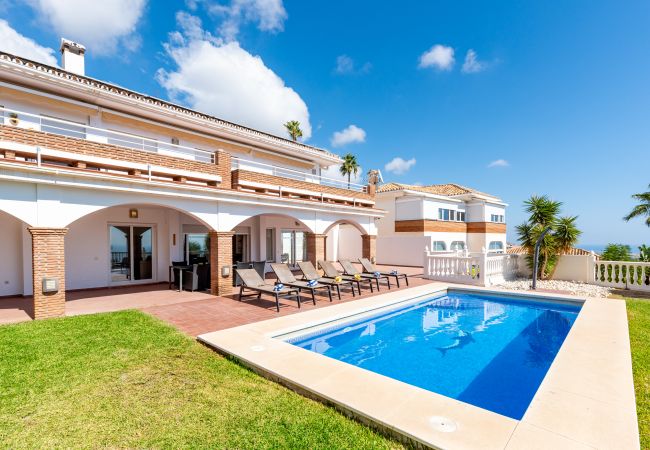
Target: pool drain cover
x=443 y=424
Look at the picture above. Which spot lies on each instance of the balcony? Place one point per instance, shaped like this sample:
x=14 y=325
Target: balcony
x=288 y=183
x=35 y=139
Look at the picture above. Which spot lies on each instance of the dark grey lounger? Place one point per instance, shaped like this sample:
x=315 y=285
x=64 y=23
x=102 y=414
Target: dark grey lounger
x=251 y=280
x=369 y=267
x=285 y=277
x=350 y=269
x=309 y=272
x=332 y=272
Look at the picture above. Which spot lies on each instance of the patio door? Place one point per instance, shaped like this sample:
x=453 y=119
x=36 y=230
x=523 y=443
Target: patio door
x=131 y=253
x=294 y=248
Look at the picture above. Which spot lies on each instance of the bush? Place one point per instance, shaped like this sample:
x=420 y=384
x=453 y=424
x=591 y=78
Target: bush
x=617 y=252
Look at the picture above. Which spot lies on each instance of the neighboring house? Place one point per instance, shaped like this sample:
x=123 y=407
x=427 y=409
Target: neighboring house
x=102 y=186
x=442 y=217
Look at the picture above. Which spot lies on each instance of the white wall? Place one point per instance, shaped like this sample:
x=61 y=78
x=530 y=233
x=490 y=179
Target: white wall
x=431 y=207
x=402 y=250
x=344 y=241
x=11 y=255
x=87 y=243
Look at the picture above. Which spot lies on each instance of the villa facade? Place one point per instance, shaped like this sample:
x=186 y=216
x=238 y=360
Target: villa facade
x=445 y=218
x=101 y=186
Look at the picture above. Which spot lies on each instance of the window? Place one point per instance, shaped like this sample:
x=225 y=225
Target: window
x=197 y=248
x=64 y=128
x=270 y=244
x=451 y=215
x=496 y=246
x=497 y=218
x=457 y=245
x=439 y=246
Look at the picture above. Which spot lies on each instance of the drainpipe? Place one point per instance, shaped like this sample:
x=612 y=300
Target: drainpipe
x=536 y=255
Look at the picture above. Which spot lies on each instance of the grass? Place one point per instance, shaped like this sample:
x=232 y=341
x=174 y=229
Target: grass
x=638 y=312
x=127 y=380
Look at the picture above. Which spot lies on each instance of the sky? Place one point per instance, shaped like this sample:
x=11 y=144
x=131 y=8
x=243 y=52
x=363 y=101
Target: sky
x=512 y=98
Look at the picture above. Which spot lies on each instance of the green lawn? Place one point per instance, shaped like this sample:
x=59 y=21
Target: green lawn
x=127 y=380
x=638 y=312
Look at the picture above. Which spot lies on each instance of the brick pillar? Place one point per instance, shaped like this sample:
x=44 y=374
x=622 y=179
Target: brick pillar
x=48 y=261
x=315 y=247
x=369 y=246
x=221 y=256
x=224 y=168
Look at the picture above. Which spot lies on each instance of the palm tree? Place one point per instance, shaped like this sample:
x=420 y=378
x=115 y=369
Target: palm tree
x=564 y=233
x=642 y=209
x=349 y=166
x=293 y=128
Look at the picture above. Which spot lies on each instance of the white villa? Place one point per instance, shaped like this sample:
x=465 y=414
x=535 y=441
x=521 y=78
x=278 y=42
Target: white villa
x=102 y=186
x=445 y=218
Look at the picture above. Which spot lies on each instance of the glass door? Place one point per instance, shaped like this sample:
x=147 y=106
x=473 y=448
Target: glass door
x=131 y=253
x=294 y=248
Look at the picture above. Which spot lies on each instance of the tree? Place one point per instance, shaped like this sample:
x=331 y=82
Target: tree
x=564 y=234
x=644 y=253
x=642 y=209
x=349 y=166
x=617 y=252
x=293 y=128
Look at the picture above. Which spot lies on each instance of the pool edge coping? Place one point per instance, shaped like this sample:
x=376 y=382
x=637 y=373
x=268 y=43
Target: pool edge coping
x=561 y=414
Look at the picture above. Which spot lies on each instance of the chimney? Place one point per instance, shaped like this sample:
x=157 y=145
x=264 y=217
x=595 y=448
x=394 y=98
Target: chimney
x=72 y=57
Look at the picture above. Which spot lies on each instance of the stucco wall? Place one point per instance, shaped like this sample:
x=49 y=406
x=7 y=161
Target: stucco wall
x=11 y=255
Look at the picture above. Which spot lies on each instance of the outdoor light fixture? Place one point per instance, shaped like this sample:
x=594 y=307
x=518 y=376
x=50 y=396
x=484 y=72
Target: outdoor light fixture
x=225 y=271
x=133 y=213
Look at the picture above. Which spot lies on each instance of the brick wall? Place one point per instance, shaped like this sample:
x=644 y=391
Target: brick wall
x=315 y=247
x=422 y=225
x=247 y=175
x=48 y=261
x=220 y=256
x=81 y=146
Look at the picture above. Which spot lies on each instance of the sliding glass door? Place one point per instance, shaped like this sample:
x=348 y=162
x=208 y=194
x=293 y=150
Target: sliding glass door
x=294 y=248
x=131 y=253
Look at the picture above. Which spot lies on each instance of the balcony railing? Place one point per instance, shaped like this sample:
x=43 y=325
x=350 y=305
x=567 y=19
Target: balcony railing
x=268 y=169
x=67 y=128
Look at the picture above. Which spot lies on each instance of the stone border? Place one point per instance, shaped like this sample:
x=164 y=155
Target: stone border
x=586 y=399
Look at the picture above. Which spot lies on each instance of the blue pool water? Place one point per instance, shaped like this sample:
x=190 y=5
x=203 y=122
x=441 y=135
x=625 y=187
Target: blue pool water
x=492 y=352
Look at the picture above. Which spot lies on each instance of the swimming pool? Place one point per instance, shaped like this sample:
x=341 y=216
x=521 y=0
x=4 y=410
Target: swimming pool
x=487 y=350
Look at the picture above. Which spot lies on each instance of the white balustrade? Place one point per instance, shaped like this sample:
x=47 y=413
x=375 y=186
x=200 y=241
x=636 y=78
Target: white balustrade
x=480 y=269
x=630 y=275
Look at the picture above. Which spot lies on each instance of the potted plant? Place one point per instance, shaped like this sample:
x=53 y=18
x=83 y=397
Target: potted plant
x=13 y=119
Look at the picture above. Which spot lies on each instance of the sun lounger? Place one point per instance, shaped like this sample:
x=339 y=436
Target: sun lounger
x=350 y=269
x=368 y=267
x=309 y=272
x=285 y=277
x=332 y=272
x=252 y=281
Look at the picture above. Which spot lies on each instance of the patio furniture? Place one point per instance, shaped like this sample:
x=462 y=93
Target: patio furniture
x=332 y=272
x=369 y=267
x=190 y=278
x=175 y=273
x=285 y=277
x=258 y=266
x=252 y=281
x=309 y=272
x=350 y=269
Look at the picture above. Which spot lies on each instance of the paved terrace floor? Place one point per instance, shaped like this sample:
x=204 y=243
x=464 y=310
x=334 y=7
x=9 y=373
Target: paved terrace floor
x=193 y=313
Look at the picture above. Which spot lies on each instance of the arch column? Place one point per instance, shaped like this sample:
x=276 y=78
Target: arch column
x=369 y=247
x=48 y=262
x=315 y=247
x=220 y=257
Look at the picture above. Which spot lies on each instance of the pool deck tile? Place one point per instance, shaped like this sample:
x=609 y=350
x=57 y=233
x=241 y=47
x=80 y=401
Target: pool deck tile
x=585 y=401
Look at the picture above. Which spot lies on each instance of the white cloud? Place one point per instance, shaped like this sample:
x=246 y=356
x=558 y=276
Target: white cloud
x=225 y=80
x=472 y=64
x=15 y=43
x=269 y=15
x=347 y=66
x=399 y=166
x=499 y=163
x=439 y=56
x=348 y=135
x=101 y=26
